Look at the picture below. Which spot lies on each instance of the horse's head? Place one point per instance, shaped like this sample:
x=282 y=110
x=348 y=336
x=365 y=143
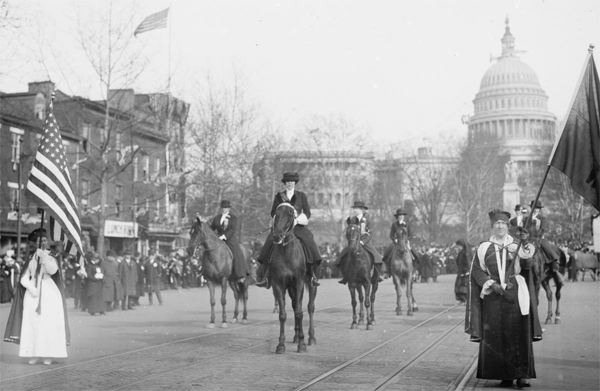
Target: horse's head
x=197 y=236
x=402 y=235
x=283 y=222
x=353 y=236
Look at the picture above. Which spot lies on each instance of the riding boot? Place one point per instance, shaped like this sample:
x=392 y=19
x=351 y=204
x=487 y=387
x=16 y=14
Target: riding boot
x=264 y=283
x=380 y=272
x=314 y=281
x=343 y=280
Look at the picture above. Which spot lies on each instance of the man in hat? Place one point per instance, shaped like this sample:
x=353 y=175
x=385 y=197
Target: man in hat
x=536 y=230
x=300 y=202
x=225 y=225
x=501 y=304
x=128 y=272
x=517 y=222
x=395 y=235
x=359 y=210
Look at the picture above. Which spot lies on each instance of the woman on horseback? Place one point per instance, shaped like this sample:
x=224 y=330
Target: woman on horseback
x=225 y=224
x=300 y=202
x=359 y=210
x=395 y=236
x=536 y=229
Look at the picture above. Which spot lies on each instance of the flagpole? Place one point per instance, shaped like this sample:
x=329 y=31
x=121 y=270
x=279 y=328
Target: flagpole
x=570 y=107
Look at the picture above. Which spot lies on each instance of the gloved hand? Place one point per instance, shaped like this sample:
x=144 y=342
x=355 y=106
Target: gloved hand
x=34 y=291
x=222 y=237
x=497 y=289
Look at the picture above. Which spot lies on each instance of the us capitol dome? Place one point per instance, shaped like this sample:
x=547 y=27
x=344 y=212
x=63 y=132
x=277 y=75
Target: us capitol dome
x=512 y=107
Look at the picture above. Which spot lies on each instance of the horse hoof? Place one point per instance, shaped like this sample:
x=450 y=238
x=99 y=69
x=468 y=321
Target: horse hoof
x=415 y=309
x=223 y=325
x=302 y=348
x=361 y=322
x=549 y=321
x=312 y=341
x=275 y=310
x=210 y=326
x=280 y=349
x=369 y=327
x=398 y=313
x=373 y=323
x=296 y=340
x=353 y=326
x=234 y=320
x=244 y=321
x=557 y=321
x=409 y=313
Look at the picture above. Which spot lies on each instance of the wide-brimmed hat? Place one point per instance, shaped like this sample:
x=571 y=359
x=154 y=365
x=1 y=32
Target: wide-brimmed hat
x=537 y=204
x=225 y=204
x=36 y=234
x=518 y=207
x=359 y=204
x=399 y=212
x=497 y=215
x=290 y=177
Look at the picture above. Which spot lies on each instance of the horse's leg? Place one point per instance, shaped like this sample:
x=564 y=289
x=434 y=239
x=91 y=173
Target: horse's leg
x=398 y=288
x=279 y=294
x=293 y=295
x=352 y=290
x=244 y=294
x=559 y=284
x=224 y=301
x=361 y=303
x=409 y=296
x=276 y=308
x=368 y=287
x=312 y=294
x=236 y=298
x=211 y=290
x=546 y=286
x=299 y=315
x=374 y=288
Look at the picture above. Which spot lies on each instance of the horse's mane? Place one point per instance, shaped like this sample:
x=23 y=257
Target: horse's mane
x=205 y=227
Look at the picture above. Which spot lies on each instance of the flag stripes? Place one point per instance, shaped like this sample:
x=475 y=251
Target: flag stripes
x=153 y=22
x=57 y=234
x=49 y=186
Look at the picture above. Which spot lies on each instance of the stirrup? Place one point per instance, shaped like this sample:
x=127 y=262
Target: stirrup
x=314 y=282
x=264 y=283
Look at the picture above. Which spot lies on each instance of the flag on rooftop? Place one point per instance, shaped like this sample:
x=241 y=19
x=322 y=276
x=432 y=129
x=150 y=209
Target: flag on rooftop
x=153 y=22
x=577 y=150
x=49 y=185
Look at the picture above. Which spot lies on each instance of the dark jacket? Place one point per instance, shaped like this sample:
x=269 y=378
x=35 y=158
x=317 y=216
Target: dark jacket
x=153 y=270
x=129 y=277
x=113 y=290
x=228 y=228
x=299 y=201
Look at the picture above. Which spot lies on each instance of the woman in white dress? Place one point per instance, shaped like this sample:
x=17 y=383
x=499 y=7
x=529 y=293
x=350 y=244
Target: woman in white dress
x=43 y=332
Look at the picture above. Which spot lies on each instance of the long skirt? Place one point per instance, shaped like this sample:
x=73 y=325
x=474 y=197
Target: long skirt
x=43 y=335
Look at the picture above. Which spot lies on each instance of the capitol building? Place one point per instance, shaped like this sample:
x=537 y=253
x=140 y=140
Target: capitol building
x=512 y=107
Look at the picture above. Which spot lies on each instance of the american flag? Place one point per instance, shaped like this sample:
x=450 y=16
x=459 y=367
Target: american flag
x=49 y=186
x=153 y=22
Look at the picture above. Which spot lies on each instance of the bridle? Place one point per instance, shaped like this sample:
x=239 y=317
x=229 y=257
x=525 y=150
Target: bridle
x=353 y=243
x=287 y=235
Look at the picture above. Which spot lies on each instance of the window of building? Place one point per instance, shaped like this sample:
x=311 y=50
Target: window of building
x=157 y=211
x=14 y=196
x=15 y=135
x=157 y=167
x=321 y=200
x=118 y=146
x=118 y=199
x=146 y=169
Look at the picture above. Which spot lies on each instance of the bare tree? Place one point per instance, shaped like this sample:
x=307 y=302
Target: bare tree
x=478 y=181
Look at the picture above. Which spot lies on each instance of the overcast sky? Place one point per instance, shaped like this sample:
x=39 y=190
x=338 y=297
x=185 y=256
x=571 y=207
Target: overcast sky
x=402 y=70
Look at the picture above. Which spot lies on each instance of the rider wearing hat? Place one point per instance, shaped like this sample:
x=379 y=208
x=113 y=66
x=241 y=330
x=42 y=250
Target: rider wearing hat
x=397 y=226
x=359 y=209
x=518 y=221
x=300 y=202
x=536 y=230
x=225 y=225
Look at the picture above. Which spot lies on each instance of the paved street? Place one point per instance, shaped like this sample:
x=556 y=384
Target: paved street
x=169 y=347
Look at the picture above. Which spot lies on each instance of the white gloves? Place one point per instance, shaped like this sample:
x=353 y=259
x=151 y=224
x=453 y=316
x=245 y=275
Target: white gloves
x=302 y=219
x=33 y=290
x=223 y=237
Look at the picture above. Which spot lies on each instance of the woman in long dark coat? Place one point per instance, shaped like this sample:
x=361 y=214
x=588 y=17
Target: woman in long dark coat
x=95 y=287
x=463 y=263
x=113 y=291
x=6 y=286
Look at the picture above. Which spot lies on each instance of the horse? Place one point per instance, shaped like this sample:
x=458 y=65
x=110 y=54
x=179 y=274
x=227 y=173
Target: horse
x=217 y=264
x=288 y=269
x=542 y=274
x=401 y=270
x=358 y=271
x=584 y=262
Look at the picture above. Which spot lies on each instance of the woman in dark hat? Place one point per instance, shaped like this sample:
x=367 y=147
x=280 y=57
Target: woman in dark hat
x=395 y=230
x=95 y=285
x=501 y=306
x=225 y=225
x=536 y=230
x=359 y=211
x=38 y=321
x=299 y=200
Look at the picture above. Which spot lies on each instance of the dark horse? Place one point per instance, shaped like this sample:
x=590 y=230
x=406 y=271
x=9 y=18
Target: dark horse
x=358 y=270
x=542 y=274
x=287 y=266
x=217 y=262
x=401 y=270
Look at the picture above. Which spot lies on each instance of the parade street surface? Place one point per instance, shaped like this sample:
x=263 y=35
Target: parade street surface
x=169 y=347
